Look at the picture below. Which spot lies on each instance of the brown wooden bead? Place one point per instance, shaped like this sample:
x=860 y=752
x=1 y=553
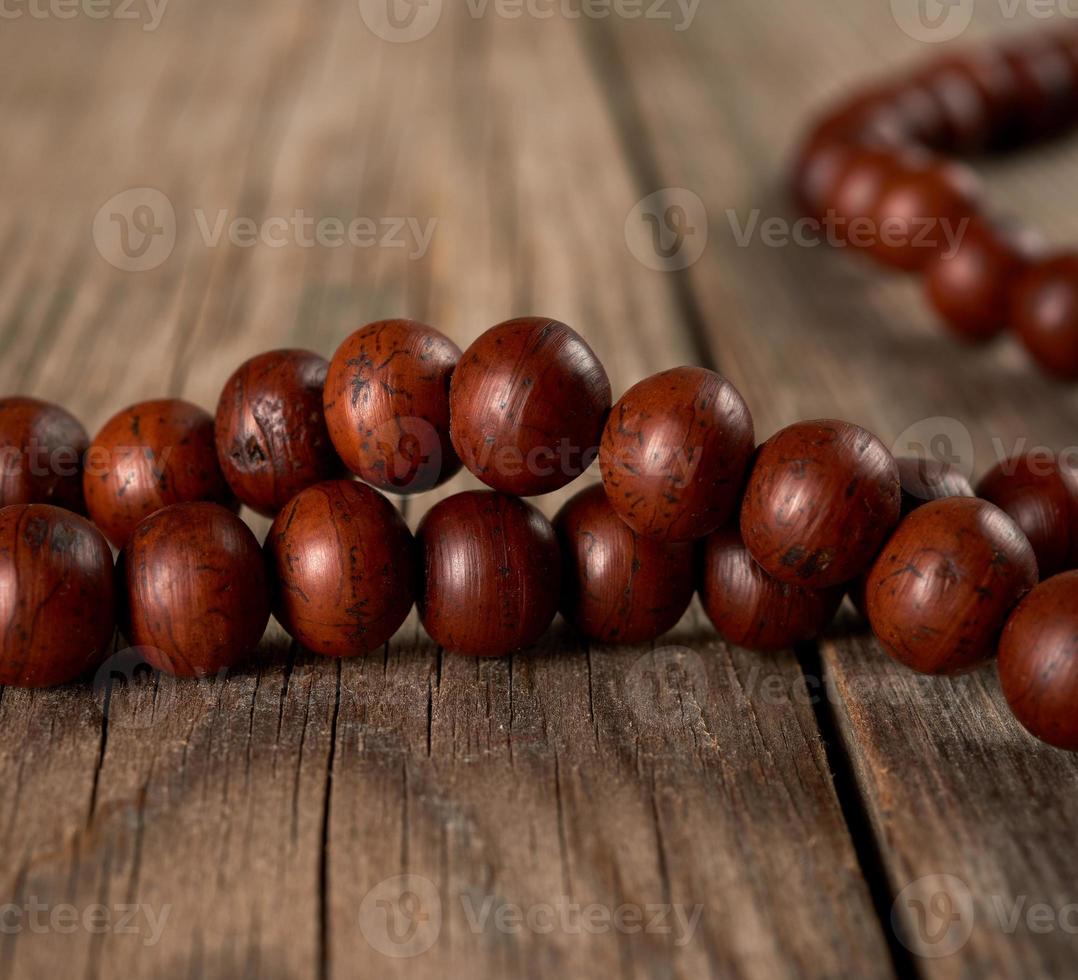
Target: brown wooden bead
x=271 y=431
x=1044 y=314
x=817 y=171
x=195 y=595
x=970 y=286
x=852 y=204
x=923 y=207
x=821 y=499
x=753 y=610
x=150 y=456
x=57 y=598
x=41 y=452
x=675 y=452
x=977 y=93
x=387 y=405
x=1043 y=86
x=926 y=118
x=922 y=481
x=342 y=568
x=1040 y=493
x=493 y=573
x=945 y=582
x=529 y=400
x=619 y=587
x=1038 y=661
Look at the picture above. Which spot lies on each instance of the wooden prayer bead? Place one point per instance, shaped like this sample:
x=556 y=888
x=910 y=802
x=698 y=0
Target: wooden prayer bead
x=853 y=201
x=150 y=456
x=924 y=206
x=619 y=587
x=817 y=172
x=922 y=481
x=821 y=498
x=1044 y=314
x=674 y=454
x=343 y=568
x=57 y=599
x=977 y=93
x=944 y=584
x=41 y=452
x=529 y=400
x=1038 y=661
x=387 y=405
x=1040 y=493
x=1043 y=87
x=194 y=582
x=271 y=431
x=970 y=286
x=493 y=574
x=753 y=610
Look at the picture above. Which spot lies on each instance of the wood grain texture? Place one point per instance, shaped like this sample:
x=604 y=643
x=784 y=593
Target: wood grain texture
x=261 y=809
x=937 y=769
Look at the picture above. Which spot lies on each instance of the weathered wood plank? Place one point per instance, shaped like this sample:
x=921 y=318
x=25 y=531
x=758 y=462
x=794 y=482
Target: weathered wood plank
x=258 y=812
x=950 y=783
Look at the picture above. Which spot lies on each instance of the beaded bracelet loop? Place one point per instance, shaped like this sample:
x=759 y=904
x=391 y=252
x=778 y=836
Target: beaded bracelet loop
x=772 y=537
x=880 y=171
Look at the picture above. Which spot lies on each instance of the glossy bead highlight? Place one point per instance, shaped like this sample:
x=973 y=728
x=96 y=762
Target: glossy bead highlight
x=1038 y=661
x=387 y=405
x=945 y=583
x=751 y=609
x=1040 y=493
x=675 y=452
x=529 y=400
x=617 y=586
x=493 y=573
x=41 y=454
x=821 y=499
x=57 y=597
x=342 y=568
x=195 y=592
x=271 y=431
x=151 y=455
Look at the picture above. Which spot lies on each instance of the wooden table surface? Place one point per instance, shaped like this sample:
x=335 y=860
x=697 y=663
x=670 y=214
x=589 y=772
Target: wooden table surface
x=684 y=809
